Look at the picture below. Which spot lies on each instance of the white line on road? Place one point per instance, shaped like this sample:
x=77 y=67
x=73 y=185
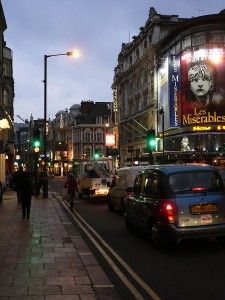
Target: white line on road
x=133 y=290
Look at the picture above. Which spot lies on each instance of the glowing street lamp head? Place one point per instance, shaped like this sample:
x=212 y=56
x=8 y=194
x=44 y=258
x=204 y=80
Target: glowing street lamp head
x=74 y=53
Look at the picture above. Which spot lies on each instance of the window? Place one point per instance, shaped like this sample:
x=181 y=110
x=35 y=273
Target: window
x=199 y=39
x=145 y=76
x=216 y=36
x=150 y=39
x=186 y=42
x=130 y=61
x=99 y=120
x=87 y=137
x=137 y=185
x=5 y=98
x=145 y=44
x=177 y=47
x=199 y=179
x=99 y=137
x=137 y=53
x=150 y=184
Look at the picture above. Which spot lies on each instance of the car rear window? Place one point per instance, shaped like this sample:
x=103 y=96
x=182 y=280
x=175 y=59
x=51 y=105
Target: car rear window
x=195 y=181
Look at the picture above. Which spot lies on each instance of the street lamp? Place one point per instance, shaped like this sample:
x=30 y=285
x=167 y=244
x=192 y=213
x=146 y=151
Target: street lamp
x=45 y=179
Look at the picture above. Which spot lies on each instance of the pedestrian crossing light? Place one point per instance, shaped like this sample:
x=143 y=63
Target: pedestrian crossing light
x=151 y=140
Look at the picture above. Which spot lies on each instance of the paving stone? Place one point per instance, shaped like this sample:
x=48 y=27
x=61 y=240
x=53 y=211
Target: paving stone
x=97 y=275
x=89 y=259
x=12 y=291
x=82 y=280
x=60 y=280
x=77 y=289
x=44 y=290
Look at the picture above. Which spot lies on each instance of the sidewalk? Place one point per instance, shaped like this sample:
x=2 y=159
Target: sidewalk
x=45 y=258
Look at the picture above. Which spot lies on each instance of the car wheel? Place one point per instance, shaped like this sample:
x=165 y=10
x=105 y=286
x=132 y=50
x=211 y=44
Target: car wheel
x=159 y=240
x=110 y=206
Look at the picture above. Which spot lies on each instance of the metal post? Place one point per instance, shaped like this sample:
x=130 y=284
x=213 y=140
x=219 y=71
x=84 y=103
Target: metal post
x=45 y=177
x=161 y=112
x=163 y=136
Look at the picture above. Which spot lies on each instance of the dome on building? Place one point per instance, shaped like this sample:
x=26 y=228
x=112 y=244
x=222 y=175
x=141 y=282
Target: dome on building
x=61 y=112
x=75 y=107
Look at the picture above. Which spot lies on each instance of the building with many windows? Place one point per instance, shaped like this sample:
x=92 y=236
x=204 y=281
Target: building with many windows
x=79 y=133
x=6 y=103
x=170 y=78
x=135 y=100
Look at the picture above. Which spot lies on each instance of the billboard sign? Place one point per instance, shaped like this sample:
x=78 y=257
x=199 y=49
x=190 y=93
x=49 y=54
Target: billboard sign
x=203 y=87
x=110 y=139
x=163 y=93
x=174 y=90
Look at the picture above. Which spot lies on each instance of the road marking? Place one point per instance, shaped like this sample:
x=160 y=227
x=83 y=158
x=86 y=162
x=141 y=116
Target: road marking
x=102 y=285
x=130 y=286
x=132 y=289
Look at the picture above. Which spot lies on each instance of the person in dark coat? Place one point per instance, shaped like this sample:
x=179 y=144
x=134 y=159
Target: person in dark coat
x=72 y=187
x=26 y=191
x=17 y=180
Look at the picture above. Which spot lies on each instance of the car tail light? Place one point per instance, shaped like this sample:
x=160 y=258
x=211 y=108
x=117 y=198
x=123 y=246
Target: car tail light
x=169 y=210
x=198 y=189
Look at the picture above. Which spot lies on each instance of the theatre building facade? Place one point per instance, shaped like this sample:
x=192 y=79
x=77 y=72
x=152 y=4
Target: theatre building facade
x=190 y=87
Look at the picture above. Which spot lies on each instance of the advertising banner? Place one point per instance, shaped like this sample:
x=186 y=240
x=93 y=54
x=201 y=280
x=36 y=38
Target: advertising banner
x=203 y=87
x=163 y=95
x=174 y=90
x=110 y=139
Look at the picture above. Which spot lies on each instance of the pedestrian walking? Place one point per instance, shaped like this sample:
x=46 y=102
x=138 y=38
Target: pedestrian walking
x=17 y=182
x=72 y=188
x=26 y=191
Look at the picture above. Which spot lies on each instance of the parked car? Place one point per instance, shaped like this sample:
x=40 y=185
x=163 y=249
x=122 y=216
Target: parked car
x=122 y=179
x=173 y=202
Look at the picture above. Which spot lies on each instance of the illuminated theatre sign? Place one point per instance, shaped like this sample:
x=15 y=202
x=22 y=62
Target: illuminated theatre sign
x=202 y=93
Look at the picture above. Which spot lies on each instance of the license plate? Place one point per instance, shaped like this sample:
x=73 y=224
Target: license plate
x=206 y=219
x=203 y=208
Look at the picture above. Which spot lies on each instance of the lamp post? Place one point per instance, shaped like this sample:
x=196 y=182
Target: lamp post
x=45 y=179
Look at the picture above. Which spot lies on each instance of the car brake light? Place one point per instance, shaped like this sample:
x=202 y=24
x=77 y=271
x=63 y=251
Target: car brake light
x=198 y=189
x=169 y=210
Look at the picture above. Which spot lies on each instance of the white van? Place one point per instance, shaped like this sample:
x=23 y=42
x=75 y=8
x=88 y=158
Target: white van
x=123 y=178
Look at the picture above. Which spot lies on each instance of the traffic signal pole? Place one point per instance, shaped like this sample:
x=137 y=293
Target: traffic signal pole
x=151 y=143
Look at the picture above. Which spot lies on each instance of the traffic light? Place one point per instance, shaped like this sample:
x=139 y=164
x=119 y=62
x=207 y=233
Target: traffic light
x=151 y=140
x=36 y=141
x=97 y=153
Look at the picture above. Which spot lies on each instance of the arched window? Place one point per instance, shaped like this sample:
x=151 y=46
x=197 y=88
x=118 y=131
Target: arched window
x=130 y=61
x=137 y=53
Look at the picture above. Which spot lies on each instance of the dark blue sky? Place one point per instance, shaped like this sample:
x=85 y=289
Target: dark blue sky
x=96 y=27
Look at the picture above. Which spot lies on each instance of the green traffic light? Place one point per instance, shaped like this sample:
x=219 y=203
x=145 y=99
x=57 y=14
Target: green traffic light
x=151 y=140
x=152 y=143
x=37 y=144
x=96 y=155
